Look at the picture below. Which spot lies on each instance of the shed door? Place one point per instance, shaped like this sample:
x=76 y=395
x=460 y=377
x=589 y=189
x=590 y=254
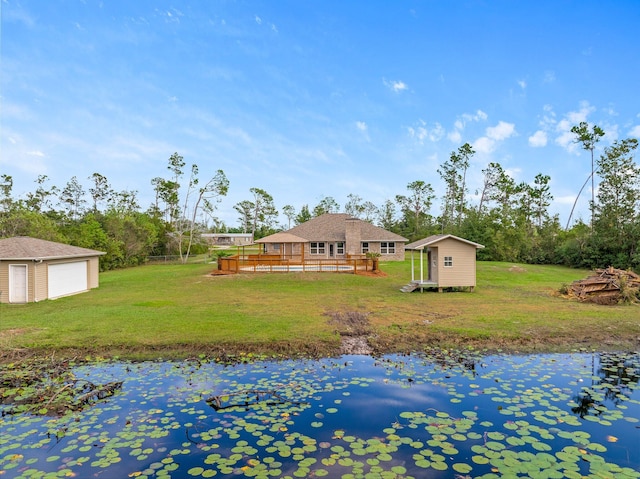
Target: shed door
x=67 y=278
x=17 y=283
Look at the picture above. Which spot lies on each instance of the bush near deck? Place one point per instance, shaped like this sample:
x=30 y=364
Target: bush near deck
x=181 y=310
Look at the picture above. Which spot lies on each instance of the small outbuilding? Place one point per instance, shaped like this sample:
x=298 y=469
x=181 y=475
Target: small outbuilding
x=443 y=261
x=32 y=269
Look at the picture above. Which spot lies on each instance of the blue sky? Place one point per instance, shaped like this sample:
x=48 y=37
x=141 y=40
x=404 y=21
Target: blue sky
x=307 y=99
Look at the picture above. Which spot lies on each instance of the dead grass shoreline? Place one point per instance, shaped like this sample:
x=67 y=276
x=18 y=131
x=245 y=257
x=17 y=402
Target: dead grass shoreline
x=407 y=342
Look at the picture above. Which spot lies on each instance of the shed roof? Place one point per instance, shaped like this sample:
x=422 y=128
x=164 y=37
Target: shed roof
x=434 y=239
x=333 y=227
x=27 y=248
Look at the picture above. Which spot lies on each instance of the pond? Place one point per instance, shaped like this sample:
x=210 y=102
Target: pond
x=437 y=415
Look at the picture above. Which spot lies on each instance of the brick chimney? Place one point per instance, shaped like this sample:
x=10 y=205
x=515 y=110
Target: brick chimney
x=352 y=236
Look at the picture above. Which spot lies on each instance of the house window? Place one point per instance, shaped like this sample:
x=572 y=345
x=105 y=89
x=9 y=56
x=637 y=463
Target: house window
x=276 y=246
x=317 y=248
x=365 y=248
x=387 y=247
x=339 y=248
x=448 y=261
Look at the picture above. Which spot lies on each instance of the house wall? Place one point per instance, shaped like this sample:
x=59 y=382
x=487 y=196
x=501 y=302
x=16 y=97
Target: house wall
x=376 y=247
x=463 y=272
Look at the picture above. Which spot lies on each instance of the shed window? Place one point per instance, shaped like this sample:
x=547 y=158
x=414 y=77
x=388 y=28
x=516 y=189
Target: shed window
x=317 y=248
x=448 y=261
x=387 y=247
x=365 y=247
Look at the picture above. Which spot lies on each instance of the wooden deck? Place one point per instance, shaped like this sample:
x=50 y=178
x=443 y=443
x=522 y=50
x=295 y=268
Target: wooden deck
x=260 y=263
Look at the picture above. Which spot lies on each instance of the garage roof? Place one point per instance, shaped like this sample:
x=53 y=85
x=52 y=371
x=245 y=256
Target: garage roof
x=27 y=248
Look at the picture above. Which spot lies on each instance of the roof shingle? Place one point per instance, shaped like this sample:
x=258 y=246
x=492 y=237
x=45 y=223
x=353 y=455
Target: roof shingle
x=27 y=248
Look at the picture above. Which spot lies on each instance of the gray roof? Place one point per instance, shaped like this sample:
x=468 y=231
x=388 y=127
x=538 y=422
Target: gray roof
x=332 y=227
x=27 y=248
x=433 y=239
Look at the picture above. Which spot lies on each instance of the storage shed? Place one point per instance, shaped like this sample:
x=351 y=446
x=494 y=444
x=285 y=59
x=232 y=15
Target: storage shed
x=443 y=261
x=32 y=269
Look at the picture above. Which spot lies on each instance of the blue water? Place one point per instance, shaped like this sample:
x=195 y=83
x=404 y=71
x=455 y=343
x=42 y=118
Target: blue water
x=441 y=415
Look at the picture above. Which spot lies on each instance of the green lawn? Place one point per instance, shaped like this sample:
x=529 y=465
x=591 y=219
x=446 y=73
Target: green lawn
x=181 y=310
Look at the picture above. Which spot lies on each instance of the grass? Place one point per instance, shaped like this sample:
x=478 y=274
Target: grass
x=181 y=310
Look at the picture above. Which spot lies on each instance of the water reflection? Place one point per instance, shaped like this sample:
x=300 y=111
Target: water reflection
x=438 y=414
x=614 y=377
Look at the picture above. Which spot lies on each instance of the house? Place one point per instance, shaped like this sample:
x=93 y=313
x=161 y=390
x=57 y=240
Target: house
x=227 y=239
x=334 y=236
x=32 y=269
x=445 y=261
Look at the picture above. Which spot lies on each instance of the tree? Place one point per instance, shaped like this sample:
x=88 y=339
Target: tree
x=6 y=187
x=369 y=211
x=183 y=219
x=245 y=209
x=387 y=215
x=205 y=197
x=39 y=201
x=616 y=213
x=541 y=198
x=326 y=205
x=492 y=173
x=72 y=198
x=354 y=205
x=303 y=216
x=588 y=139
x=123 y=202
x=100 y=191
x=265 y=212
x=454 y=174
x=416 y=206
x=290 y=212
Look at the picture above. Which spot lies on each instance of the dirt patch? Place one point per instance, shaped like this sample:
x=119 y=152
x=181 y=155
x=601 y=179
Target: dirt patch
x=355 y=345
x=10 y=333
x=372 y=274
x=517 y=269
x=217 y=272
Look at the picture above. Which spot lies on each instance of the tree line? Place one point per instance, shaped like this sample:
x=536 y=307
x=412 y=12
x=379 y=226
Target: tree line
x=511 y=219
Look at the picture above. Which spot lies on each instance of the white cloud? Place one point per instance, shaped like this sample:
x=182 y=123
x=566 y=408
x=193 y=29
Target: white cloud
x=483 y=145
x=501 y=131
x=522 y=84
x=258 y=20
x=421 y=132
x=455 y=136
x=395 y=85
x=362 y=127
x=549 y=77
x=635 y=131
x=538 y=139
x=565 y=138
x=493 y=135
x=37 y=153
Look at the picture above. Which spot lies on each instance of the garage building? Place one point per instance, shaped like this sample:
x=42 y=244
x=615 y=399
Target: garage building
x=32 y=269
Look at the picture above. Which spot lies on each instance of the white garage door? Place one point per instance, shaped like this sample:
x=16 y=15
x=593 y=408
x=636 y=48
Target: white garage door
x=67 y=278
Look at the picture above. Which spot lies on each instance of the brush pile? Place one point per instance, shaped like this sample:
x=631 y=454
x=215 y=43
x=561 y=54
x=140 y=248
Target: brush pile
x=607 y=286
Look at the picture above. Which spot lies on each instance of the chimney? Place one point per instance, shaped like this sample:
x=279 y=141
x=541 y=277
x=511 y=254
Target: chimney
x=352 y=236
